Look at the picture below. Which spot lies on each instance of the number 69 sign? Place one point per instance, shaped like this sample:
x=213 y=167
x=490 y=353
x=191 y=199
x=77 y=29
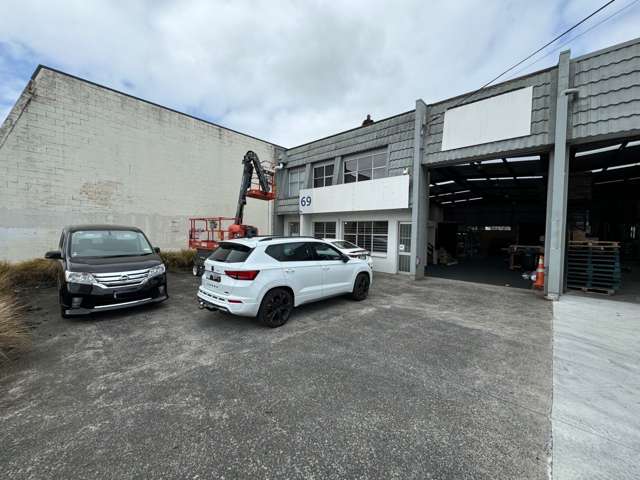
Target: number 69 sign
x=305 y=201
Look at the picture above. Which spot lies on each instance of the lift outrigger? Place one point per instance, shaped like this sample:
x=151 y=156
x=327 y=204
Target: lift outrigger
x=206 y=233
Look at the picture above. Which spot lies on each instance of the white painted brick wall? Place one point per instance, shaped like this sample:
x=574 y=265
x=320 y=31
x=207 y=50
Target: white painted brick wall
x=80 y=153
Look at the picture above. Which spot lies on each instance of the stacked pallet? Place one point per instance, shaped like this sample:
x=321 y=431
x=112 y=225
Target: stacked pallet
x=594 y=266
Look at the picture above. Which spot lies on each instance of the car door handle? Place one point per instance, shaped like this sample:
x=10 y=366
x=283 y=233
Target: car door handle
x=289 y=270
x=326 y=268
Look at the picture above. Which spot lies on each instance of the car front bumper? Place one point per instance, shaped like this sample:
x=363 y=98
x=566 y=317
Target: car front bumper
x=80 y=299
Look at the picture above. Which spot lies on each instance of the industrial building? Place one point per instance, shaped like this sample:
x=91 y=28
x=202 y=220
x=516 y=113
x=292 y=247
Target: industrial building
x=74 y=152
x=475 y=187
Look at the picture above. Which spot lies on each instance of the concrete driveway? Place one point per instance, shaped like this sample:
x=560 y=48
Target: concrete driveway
x=435 y=379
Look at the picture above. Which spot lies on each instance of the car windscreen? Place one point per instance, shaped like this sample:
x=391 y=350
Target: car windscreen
x=344 y=244
x=230 y=253
x=108 y=243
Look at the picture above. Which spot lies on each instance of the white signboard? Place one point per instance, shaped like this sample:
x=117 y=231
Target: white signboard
x=495 y=118
x=381 y=194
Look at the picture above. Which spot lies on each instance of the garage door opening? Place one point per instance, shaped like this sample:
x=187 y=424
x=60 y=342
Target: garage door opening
x=603 y=220
x=487 y=220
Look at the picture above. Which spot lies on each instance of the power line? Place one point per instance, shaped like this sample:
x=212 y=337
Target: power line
x=472 y=94
x=604 y=20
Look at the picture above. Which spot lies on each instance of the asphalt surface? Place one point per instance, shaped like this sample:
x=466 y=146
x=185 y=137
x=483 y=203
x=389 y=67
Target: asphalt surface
x=431 y=379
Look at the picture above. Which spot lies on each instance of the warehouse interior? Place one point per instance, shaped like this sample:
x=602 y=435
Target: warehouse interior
x=491 y=222
x=603 y=217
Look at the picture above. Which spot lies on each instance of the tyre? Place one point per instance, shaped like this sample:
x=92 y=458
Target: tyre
x=197 y=270
x=275 y=308
x=360 y=287
x=62 y=310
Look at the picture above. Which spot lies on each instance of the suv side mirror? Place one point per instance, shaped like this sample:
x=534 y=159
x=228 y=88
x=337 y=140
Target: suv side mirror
x=156 y=249
x=53 y=255
x=346 y=258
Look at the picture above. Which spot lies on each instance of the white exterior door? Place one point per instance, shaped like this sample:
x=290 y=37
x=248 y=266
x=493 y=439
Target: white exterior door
x=404 y=247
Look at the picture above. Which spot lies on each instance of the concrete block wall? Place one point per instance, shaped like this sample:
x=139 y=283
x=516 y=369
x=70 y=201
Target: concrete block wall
x=74 y=152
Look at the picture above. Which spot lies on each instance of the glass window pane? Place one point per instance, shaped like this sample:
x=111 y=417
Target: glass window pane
x=379 y=172
x=328 y=181
x=364 y=175
x=328 y=170
x=317 y=182
x=350 y=228
x=364 y=227
x=350 y=165
x=364 y=241
x=318 y=172
x=379 y=243
x=380 y=160
x=350 y=238
x=330 y=229
x=380 y=228
x=349 y=178
x=365 y=163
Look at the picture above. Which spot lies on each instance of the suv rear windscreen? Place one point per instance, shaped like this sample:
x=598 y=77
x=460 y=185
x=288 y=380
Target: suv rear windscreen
x=231 y=253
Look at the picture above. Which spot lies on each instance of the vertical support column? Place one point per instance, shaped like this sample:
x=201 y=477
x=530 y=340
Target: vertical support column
x=338 y=163
x=419 y=196
x=558 y=183
x=277 y=227
x=306 y=228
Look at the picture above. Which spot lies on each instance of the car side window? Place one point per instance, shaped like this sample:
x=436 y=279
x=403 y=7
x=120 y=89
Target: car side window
x=290 y=252
x=326 y=252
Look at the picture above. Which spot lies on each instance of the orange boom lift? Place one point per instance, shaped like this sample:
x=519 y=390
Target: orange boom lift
x=206 y=233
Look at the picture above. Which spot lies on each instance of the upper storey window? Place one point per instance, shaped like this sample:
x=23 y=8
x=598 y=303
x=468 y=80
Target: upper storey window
x=363 y=167
x=323 y=175
x=296 y=181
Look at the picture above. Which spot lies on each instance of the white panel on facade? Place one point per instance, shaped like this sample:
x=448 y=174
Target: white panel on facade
x=495 y=118
x=381 y=194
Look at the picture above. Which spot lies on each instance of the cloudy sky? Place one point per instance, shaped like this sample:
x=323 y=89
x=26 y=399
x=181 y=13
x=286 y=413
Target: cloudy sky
x=293 y=71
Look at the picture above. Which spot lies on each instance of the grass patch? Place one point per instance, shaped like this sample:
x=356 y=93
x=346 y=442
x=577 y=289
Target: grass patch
x=14 y=335
x=176 y=260
x=30 y=273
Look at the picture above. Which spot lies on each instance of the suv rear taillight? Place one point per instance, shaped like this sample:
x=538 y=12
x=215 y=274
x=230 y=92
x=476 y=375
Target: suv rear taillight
x=242 y=274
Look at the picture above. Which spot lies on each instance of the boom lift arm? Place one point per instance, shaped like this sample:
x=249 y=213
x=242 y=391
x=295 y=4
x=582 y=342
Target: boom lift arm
x=251 y=164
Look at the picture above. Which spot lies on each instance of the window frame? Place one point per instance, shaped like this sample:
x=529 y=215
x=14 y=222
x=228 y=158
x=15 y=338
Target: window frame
x=365 y=156
x=300 y=174
x=324 y=176
x=324 y=229
x=367 y=232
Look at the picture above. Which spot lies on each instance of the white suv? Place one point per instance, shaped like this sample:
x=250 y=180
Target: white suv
x=268 y=276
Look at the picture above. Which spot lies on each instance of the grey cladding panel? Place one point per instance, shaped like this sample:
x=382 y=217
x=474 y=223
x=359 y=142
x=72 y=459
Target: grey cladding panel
x=393 y=131
x=543 y=84
x=609 y=99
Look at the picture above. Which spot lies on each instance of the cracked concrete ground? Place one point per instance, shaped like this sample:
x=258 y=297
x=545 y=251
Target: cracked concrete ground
x=434 y=379
x=596 y=401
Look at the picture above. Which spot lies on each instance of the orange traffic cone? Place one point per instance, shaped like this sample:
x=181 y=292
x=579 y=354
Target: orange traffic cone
x=539 y=283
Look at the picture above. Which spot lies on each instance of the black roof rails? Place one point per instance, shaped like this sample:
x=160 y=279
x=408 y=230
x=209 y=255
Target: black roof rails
x=275 y=237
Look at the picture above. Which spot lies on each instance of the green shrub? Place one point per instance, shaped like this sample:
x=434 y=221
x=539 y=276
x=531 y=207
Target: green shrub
x=178 y=259
x=14 y=335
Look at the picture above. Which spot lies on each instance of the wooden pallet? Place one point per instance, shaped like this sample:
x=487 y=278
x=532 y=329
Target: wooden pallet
x=607 y=291
x=594 y=266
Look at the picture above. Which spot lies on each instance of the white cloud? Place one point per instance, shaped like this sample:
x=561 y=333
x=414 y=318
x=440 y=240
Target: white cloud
x=290 y=71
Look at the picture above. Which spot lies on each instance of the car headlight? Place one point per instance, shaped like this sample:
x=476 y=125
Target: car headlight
x=157 y=270
x=79 y=277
